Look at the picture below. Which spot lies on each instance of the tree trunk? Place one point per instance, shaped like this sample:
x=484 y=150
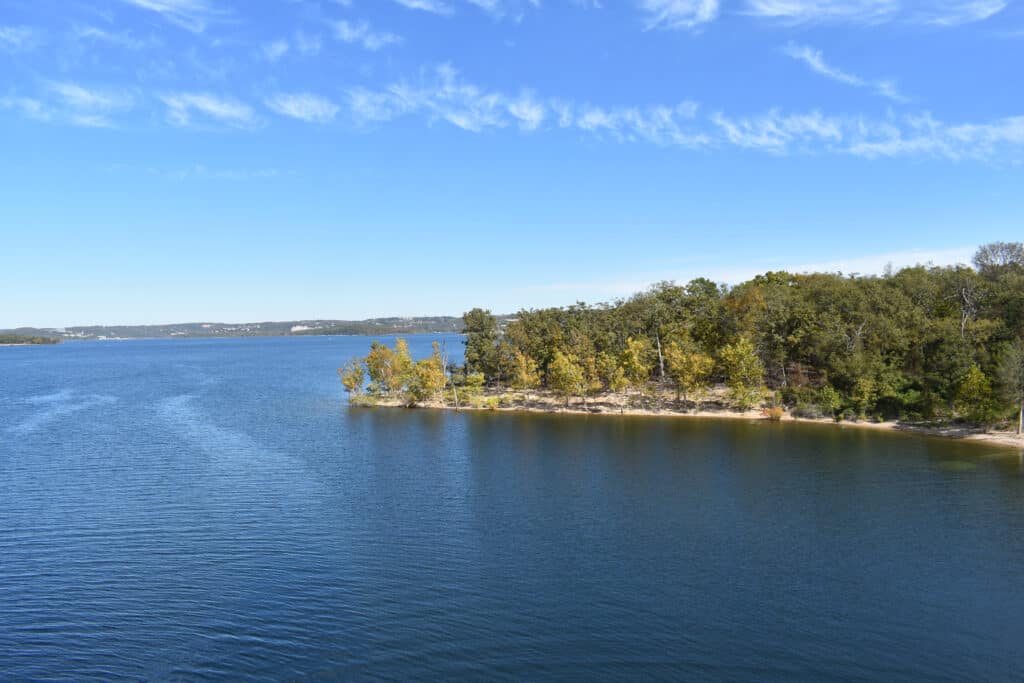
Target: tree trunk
x=661 y=358
x=1020 y=419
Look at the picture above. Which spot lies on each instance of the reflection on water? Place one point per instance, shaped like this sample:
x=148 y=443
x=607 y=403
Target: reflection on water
x=211 y=510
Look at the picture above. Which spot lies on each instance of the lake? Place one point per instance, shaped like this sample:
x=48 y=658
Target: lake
x=212 y=510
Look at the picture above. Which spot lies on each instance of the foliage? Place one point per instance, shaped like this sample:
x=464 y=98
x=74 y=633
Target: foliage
x=23 y=339
x=524 y=372
x=924 y=342
x=481 y=330
x=428 y=378
x=394 y=375
x=565 y=376
x=353 y=376
x=1011 y=377
x=744 y=372
x=689 y=368
x=976 y=400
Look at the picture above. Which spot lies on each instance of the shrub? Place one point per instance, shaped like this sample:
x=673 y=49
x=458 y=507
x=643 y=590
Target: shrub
x=807 y=411
x=774 y=413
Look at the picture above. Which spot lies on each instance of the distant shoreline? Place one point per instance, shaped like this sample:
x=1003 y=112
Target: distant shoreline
x=619 y=405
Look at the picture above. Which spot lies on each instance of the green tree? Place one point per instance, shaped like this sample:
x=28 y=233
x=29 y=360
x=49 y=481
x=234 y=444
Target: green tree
x=636 y=362
x=353 y=376
x=428 y=379
x=1011 y=377
x=565 y=376
x=380 y=368
x=689 y=369
x=744 y=372
x=829 y=400
x=403 y=368
x=975 y=399
x=997 y=256
x=524 y=373
x=481 y=330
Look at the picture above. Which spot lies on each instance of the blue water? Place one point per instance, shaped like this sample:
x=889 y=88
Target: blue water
x=211 y=510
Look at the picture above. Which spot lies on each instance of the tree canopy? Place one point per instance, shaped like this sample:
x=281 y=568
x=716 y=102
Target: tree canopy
x=925 y=342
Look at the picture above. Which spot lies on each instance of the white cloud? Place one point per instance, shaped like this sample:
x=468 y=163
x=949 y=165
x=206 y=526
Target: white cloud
x=192 y=15
x=125 y=40
x=433 y=6
x=361 y=34
x=18 y=37
x=937 y=12
x=679 y=14
x=495 y=8
x=275 y=49
x=962 y=12
x=824 y=10
x=27 y=106
x=182 y=107
x=815 y=60
x=70 y=103
x=303 y=106
x=77 y=97
x=778 y=132
x=443 y=95
x=527 y=111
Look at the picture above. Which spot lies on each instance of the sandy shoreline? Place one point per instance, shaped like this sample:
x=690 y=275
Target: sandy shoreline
x=535 y=402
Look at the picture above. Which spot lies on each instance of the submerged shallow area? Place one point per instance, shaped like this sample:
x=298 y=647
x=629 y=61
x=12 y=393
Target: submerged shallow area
x=210 y=509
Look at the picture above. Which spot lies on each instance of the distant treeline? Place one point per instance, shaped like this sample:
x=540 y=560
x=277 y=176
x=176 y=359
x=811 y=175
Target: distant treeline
x=374 y=326
x=923 y=343
x=22 y=339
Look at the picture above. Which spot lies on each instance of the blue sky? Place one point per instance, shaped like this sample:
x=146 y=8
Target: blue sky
x=173 y=160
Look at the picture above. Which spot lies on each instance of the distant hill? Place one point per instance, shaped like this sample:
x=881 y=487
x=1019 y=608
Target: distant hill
x=379 y=326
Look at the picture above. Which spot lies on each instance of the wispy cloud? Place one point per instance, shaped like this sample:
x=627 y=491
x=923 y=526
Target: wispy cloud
x=27 y=106
x=125 y=40
x=442 y=94
x=678 y=14
x=495 y=8
x=275 y=49
x=953 y=13
x=361 y=34
x=936 y=12
x=78 y=97
x=432 y=6
x=18 y=38
x=815 y=60
x=192 y=15
x=824 y=10
x=183 y=107
x=303 y=106
x=70 y=103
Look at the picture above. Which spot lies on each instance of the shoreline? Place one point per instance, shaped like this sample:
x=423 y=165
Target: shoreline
x=615 y=405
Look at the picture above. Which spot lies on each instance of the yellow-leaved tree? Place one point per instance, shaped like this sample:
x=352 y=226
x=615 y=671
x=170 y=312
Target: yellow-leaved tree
x=744 y=372
x=689 y=369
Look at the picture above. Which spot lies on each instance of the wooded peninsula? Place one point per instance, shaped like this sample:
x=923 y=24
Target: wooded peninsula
x=926 y=344
x=22 y=340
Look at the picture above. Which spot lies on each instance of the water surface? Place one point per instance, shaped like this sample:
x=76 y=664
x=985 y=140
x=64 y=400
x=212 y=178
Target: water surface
x=210 y=510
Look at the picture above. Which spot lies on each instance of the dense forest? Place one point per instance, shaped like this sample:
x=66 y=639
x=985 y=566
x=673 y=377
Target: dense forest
x=921 y=344
x=23 y=339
